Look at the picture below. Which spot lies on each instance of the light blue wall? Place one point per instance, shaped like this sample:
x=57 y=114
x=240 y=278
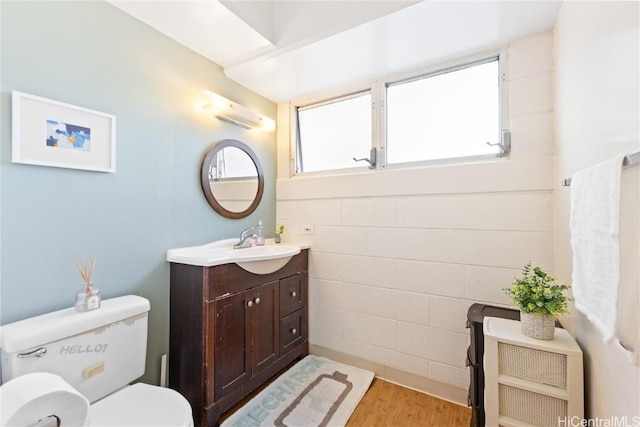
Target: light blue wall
x=93 y=55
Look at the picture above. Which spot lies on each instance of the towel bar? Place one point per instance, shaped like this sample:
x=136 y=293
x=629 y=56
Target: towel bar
x=629 y=160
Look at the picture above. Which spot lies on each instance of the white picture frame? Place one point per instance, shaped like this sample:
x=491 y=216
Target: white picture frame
x=50 y=133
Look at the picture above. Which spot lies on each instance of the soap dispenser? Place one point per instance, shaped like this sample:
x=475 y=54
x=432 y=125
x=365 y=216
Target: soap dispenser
x=260 y=237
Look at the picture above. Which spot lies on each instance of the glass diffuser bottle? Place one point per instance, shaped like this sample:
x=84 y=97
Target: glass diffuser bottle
x=87 y=298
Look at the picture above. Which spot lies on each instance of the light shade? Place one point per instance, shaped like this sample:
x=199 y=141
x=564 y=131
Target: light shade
x=232 y=112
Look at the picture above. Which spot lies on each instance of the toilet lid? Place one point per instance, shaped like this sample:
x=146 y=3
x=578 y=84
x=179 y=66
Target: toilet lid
x=142 y=405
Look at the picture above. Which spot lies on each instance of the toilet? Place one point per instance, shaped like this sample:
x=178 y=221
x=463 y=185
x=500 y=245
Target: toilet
x=98 y=353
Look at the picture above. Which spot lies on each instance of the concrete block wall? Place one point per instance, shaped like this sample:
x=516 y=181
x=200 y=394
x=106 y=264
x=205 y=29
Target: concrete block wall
x=398 y=256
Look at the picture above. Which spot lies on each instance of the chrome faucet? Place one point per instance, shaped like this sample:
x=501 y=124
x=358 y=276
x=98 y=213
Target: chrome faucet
x=245 y=238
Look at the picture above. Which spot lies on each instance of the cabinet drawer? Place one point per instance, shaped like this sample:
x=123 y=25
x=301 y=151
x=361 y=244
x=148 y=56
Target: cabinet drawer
x=518 y=361
x=292 y=330
x=291 y=294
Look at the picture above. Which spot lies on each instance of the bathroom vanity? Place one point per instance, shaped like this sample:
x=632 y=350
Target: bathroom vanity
x=232 y=330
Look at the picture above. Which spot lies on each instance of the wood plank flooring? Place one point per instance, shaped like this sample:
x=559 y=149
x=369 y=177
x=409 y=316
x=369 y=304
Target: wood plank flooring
x=389 y=405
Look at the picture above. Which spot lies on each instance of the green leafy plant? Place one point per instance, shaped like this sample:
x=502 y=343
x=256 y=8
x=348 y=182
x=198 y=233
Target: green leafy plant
x=536 y=292
x=280 y=229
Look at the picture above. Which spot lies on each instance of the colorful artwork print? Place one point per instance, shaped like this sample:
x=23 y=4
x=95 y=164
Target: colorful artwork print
x=64 y=135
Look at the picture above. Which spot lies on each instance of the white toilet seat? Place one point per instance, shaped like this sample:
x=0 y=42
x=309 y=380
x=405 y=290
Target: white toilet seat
x=142 y=405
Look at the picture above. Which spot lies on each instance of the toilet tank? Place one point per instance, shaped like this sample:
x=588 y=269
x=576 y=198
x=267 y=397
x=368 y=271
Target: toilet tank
x=97 y=352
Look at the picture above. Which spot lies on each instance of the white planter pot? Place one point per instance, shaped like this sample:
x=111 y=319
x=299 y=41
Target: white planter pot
x=541 y=327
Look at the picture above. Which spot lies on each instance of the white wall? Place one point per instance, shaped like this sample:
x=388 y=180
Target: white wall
x=398 y=256
x=597 y=117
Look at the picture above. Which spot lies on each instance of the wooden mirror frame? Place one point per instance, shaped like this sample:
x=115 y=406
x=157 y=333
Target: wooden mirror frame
x=206 y=187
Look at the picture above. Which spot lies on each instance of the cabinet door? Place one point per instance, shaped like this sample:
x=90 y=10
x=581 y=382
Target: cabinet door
x=232 y=342
x=265 y=326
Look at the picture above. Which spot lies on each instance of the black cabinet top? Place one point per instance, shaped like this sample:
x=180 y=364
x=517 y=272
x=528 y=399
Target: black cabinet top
x=477 y=313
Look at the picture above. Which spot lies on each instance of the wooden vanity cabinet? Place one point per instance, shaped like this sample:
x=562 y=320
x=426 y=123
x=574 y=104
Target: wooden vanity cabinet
x=232 y=330
x=246 y=320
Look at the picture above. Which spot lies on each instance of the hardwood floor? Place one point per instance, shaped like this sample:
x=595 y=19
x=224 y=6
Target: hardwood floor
x=389 y=405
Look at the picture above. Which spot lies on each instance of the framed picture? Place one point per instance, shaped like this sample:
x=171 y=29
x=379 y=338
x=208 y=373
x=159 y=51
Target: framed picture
x=50 y=133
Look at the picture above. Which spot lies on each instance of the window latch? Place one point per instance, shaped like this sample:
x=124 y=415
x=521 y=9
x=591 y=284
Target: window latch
x=504 y=145
x=371 y=160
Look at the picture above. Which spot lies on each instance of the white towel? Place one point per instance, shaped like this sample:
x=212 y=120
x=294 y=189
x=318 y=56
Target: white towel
x=595 y=225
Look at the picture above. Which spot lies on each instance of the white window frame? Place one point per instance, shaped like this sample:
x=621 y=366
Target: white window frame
x=378 y=90
x=314 y=102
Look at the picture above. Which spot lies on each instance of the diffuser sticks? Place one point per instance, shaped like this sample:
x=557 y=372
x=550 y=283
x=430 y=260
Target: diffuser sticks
x=88 y=298
x=86 y=275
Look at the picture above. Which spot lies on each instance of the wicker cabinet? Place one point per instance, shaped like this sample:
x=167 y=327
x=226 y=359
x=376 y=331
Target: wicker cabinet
x=530 y=382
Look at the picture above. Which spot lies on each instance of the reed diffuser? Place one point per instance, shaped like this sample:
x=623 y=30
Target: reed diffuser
x=87 y=298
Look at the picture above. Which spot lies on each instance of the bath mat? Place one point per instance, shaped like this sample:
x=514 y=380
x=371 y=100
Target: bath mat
x=315 y=392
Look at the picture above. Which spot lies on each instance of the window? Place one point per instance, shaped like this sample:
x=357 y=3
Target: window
x=332 y=133
x=444 y=116
x=452 y=113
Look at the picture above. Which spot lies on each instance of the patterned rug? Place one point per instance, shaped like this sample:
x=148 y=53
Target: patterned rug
x=315 y=392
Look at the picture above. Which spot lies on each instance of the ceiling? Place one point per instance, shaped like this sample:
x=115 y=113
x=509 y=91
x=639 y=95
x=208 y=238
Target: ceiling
x=289 y=49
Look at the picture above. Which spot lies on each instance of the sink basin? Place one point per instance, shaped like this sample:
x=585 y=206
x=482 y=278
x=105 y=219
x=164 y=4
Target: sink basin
x=256 y=259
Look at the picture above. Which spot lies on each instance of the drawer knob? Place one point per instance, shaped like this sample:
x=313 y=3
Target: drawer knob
x=258 y=300
x=294 y=294
x=294 y=331
x=250 y=304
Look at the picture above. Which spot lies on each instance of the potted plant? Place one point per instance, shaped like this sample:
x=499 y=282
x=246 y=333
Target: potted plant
x=279 y=232
x=540 y=300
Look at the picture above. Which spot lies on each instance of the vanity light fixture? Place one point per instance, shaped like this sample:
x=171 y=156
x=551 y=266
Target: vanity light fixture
x=232 y=112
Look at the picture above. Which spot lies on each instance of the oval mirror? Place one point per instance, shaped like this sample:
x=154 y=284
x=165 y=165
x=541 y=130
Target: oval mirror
x=232 y=179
